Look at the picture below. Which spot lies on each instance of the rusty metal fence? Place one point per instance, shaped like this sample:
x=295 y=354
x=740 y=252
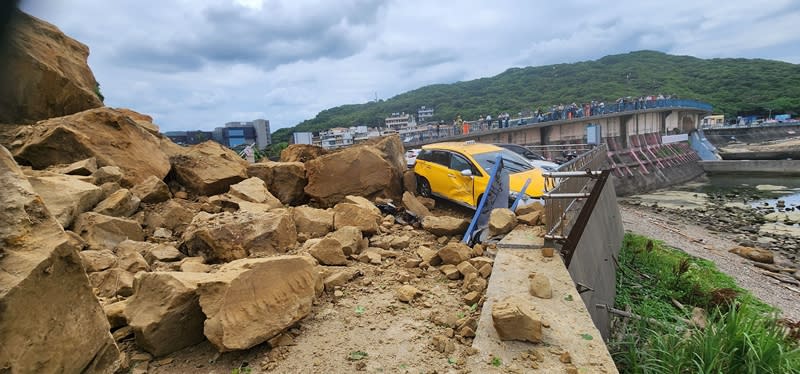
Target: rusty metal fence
x=567 y=188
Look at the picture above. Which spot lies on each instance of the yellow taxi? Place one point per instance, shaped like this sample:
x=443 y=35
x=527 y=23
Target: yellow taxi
x=460 y=171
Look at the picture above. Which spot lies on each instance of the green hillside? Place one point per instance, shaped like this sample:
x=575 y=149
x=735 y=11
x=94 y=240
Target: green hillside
x=732 y=86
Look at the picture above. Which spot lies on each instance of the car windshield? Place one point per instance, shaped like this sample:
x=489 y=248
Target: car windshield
x=513 y=162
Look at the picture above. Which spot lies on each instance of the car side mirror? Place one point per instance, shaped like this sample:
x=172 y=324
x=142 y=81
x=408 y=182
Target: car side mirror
x=466 y=172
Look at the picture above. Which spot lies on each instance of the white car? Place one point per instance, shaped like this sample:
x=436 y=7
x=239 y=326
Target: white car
x=411 y=157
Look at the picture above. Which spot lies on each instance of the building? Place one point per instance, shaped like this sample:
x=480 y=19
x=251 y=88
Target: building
x=189 y=137
x=234 y=134
x=335 y=138
x=399 y=121
x=302 y=138
x=424 y=114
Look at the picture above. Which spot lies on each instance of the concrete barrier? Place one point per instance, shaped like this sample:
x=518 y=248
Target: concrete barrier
x=758 y=167
x=594 y=262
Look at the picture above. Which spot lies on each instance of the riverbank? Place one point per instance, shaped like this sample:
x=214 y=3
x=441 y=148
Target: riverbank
x=677 y=229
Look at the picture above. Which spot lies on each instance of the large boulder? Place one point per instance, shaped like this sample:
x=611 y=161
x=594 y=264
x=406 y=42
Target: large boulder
x=369 y=170
x=208 y=168
x=301 y=153
x=50 y=320
x=347 y=214
x=444 y=225
x=164 y=311
x=285 y=180
x=328 y=251
x=755 y=254
x=349 y=237
x=83 y=167
x=121 y=203
x=224 y=237
x=311 y=222
x=152 y=190
x=105 y=232
x=173 y=215
x=65 y=196
x=51 y=77
x=240 y=316
x=103 y=133
x=254 y=190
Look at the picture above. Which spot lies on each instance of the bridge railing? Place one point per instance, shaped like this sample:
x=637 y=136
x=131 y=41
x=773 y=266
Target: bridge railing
x=480 y=126
x=567 y=187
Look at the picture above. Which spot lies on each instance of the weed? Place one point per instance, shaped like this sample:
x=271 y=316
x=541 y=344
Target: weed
x=460 y=315
x=242 y=370
x=473 y=307
x=451 y=361
x=587 y=336
x=357 y=355
x=360 y=310
x=568 y=298
x=497 y=362
x=742 y=335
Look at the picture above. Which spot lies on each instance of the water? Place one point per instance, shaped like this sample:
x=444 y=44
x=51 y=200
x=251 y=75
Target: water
x=754 y=191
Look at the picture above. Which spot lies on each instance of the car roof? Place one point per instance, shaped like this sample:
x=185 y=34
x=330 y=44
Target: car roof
x=464 y=147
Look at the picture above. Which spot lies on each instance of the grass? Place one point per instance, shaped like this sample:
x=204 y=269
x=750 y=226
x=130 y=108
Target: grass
x=742 y=335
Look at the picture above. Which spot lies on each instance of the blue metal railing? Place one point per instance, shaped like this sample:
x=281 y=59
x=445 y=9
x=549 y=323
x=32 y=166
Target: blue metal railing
x=482 y=126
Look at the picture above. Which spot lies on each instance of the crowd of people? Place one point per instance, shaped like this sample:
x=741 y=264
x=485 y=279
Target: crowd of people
x=553 y=113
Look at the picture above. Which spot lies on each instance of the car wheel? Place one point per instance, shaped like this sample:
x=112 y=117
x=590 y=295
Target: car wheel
x=424 y=188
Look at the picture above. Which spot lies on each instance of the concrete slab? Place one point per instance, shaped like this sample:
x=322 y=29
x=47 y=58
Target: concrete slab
x=570 y=326
x=523 y=237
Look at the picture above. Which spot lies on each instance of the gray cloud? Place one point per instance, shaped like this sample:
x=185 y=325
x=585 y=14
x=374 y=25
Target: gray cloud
x=201 y=63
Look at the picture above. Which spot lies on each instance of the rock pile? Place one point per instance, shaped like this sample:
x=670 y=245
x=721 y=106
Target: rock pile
x=126 y=234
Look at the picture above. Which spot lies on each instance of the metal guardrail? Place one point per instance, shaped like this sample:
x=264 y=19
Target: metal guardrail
x=481 y=127
x=565 y=189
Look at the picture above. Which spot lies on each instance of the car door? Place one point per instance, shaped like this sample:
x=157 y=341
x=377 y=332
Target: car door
x=461 y=187
x=438 y=169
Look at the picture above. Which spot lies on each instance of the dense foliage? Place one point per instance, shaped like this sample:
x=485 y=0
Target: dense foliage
x=741 y=335
x=732 y=86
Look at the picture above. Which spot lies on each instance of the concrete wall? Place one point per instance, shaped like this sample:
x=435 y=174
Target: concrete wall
x=595 y=258
x=659 y=178
x=761 y=167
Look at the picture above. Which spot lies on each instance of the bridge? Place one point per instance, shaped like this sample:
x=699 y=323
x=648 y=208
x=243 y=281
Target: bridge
x=618 y=122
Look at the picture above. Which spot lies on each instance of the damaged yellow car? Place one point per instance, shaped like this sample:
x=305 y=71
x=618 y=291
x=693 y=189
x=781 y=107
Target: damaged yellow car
x=459 y=171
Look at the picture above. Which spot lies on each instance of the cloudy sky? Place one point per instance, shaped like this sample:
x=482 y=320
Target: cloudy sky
x=196 y=64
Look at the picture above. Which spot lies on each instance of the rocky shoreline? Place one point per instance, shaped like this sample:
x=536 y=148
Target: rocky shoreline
x=770 y=226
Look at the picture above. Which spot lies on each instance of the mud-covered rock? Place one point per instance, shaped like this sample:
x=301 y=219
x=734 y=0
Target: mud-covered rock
x=108 y=135
x=368 y=170
x=165 y=312
x=224 y=237
x=51 y=76
x=240 y=316
x=152 y=190
x=445 y=225
x=122 y=203
x=515 y=319
x=65 y=196
x=311 y=222
x=105 y=232
x=301 y=153
x=365 y=219
x=208 y=168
